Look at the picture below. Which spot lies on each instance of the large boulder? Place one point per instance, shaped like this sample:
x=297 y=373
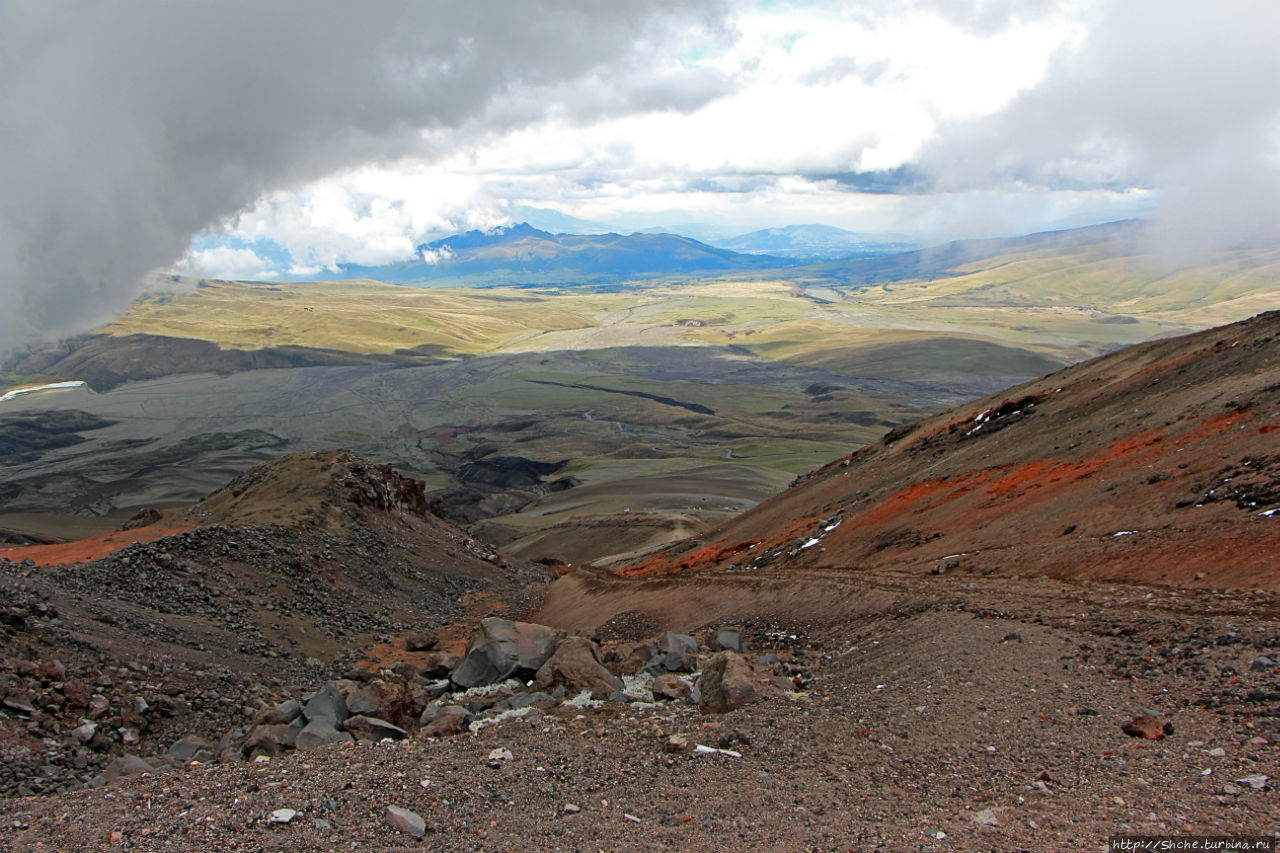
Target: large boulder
x=576 y=667
x=727 y=683
x=503 y=649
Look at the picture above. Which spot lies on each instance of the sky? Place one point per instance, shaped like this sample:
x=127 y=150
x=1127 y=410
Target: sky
x=250 y=140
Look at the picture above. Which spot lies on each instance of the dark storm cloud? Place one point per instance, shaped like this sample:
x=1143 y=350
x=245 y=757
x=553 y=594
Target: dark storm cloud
x=128 y=126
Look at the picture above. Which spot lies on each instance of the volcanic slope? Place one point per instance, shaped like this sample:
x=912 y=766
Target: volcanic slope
x=280 y=578
x=1159 y=463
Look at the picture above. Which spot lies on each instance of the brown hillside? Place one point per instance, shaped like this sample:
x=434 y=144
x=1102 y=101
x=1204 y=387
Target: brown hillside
x=1159 y=463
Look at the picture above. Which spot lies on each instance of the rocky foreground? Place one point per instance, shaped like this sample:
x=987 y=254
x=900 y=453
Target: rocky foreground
x=952 y=714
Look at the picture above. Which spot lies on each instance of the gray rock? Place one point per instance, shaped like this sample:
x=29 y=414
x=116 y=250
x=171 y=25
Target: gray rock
x=289 y=710
x=191 y=748
x=406 y=821
x=1262 y=663
x=672 y=642
x=327 y=704
x=1256 y=781
x=320 y=732
x=679 y=662
x=729 y=640
x=132 y=765
x=84 y=732
x=282 y=816
x=503 y=649
x=373 y=729
x=524 y=700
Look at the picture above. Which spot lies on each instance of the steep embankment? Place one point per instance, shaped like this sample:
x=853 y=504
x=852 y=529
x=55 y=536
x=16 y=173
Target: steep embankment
x=1159 y=463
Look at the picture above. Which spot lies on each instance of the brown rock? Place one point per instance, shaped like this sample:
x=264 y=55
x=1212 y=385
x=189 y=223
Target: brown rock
x=439 y=664
x=419 y=643
x=678 y=743
x=451 y=722
x=669 y=688
x=373 y=729
x=727 y=683
x=270 y=740
x=50 y=671
x=576 y=667
x=1144 y=726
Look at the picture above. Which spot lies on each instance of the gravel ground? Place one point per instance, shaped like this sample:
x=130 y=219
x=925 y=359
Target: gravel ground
x=978 y=718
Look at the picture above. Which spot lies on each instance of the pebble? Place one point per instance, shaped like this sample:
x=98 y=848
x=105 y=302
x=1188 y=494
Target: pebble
x=406 y=821
x=282 y=816
x=501 y=753
x=1257 y=781
x=570 y=808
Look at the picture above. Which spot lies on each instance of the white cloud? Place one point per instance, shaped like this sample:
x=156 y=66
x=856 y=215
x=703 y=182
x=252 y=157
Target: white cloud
x=225 y=262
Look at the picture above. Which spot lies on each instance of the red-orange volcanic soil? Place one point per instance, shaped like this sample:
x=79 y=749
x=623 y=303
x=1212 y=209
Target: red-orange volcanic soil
x=95 y=547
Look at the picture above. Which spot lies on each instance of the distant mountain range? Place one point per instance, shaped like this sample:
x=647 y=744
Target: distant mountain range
x=524 y=255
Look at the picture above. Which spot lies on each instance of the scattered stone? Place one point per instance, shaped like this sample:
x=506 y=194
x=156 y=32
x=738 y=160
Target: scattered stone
x=1144 y=726
x=1262 y=664
x=85 y=732
x=406 y=821
x=1256 y=781
x=282 y=816
x=570 y=808
x=726 y=684
x=503 y=649
x=500 y=753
